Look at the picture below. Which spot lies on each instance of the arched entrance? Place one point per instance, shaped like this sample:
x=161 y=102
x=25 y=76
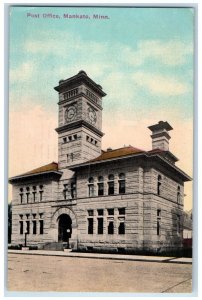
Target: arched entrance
x=64 y=228
x=63 y=219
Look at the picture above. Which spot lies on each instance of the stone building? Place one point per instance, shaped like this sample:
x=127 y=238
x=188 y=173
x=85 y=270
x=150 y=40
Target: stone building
x=117 y=200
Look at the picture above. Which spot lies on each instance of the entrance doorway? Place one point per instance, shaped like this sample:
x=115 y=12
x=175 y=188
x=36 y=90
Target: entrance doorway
x=64 y=228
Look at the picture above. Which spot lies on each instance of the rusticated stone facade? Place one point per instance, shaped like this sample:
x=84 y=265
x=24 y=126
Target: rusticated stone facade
x=122 y=200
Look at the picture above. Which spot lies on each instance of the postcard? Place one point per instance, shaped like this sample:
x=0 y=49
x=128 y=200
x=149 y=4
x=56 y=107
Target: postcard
x=100 y=149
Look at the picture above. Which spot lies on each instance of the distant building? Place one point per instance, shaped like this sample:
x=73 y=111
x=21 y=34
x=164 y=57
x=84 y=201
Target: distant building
x=187 y=225
x=124 y=199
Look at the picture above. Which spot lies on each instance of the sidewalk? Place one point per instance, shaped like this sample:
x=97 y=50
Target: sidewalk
x=179 y=260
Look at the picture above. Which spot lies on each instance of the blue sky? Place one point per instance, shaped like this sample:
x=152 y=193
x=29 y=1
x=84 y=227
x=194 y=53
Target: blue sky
x=143 y=58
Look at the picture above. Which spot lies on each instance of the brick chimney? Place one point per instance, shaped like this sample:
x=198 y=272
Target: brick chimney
x=160 y=136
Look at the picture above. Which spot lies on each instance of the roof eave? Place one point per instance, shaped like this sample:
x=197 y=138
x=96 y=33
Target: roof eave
x=105 y=160
x=183 y=174
x=25 y=176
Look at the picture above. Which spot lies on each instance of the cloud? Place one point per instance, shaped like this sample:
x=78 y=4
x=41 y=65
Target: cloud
x=159 y=84
x=170 y=53
x=23 y=72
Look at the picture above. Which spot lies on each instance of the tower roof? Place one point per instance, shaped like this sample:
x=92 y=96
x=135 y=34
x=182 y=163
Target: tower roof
x=160 y=126
x=81 y=77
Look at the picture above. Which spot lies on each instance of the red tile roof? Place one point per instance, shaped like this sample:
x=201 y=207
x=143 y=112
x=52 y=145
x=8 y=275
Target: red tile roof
x=46 y=168
x=117 y=153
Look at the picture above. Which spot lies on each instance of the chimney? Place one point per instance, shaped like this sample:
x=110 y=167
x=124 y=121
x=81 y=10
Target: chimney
x=160 y=136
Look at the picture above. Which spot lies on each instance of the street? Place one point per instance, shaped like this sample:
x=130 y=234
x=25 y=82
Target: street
x=74 y=274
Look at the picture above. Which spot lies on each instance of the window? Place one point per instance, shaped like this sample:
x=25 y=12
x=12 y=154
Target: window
x=90 y=225
x=110 y=227
x=34 y=193
x=21 y=227
x=100 y=212
x=111 y=184
x=90 y=213
x=87 y=138
x=90 y=221
x=65 y=190
x=121 y=228
x=27 y=193
x=178 y=194
x=70 y=138
x=100 y=226
x=41 y=193
x=64 y=140
x=110 y=211
x=158 y=230
x=73 y=190
x=28 y=226
x=122 y=183
x=91 y=187
x=121 y=211
x=75 y=137
x=159 y=185
x=41 y=225
x=34 y=226
x=100 y=186
x=21 y=195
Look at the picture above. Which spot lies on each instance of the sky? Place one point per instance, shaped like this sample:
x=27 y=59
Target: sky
x=142 y=57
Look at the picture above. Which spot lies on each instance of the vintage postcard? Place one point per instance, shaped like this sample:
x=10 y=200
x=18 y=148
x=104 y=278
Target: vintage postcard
x=100 y=149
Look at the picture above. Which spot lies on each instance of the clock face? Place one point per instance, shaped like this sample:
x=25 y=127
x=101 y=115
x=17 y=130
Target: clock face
x=92 y=115
x=70 y=113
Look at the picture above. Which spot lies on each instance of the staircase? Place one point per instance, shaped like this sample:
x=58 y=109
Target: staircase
x=54 y=246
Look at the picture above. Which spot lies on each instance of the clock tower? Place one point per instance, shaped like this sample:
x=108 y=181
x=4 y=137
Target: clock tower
x=80 y=120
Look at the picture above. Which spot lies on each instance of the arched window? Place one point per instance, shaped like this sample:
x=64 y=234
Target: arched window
x=27 y=193
x=111 y=184
x=91 y=187
x=178 y=194
x=122 y=183
x=100 y=186
x=159 y=185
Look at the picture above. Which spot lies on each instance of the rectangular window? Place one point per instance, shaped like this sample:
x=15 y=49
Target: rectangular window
x=21 y=198
x=21 y=227
x=100 y=189
x=65 y=190
x=158 y=232
x=110 y=211
x=28 y=227
x=34 y=196
x=122 y=187
x=90 y=212
x=91 y=190
x=100 y=212
x=122 y=228
x=41 y=195
x=34 y=226
x=27 y=197
x=73 y=190
x=111 y=227
x=121 y=211
x=41 y=227
x=111 y=188
x=90 y=226
x=100 y=226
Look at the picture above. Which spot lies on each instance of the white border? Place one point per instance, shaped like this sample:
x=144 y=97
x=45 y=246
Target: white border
x=198 y=145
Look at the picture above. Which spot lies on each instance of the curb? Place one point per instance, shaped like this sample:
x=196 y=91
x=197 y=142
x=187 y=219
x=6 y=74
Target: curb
x=166 y=260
